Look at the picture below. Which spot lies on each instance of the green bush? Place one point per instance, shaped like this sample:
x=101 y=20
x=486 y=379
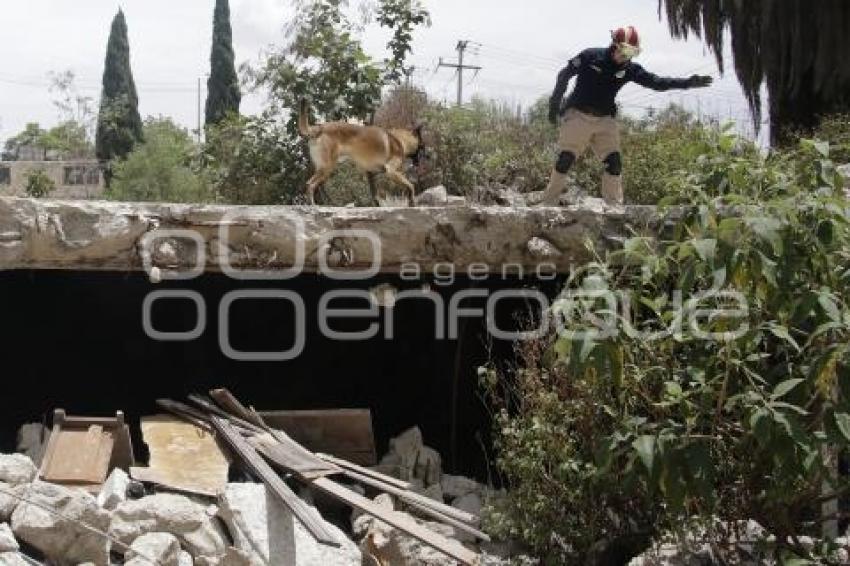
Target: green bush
x=487 y=143
x=39 y=184
x=612 y=436
x=162 y=168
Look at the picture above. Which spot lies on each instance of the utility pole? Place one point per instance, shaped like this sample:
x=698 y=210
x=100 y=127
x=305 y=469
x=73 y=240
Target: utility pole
x=199 y=110
x=462 y=45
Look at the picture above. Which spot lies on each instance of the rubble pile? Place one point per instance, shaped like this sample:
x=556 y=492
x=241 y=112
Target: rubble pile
x=405 y=511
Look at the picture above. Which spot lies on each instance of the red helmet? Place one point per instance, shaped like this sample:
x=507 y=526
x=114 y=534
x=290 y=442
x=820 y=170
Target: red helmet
x=627 y=40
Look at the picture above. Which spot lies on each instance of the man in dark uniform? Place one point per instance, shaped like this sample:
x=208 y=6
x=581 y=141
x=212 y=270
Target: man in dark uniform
x=589 y=115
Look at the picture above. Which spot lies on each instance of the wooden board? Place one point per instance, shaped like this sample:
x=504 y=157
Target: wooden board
x=82 y=451
x=344 y=433
x=182 y=456
x=264 y=472
x=400 y=521
x=78 y=457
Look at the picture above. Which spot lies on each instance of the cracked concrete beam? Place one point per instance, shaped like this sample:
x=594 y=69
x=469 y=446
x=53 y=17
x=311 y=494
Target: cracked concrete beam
x=100 y=235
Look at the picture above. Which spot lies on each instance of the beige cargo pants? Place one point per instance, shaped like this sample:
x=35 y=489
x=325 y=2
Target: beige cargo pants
x=578 y=130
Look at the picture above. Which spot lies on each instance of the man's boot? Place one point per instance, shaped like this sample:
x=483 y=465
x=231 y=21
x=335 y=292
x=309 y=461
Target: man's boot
x=612 y=189
x=557 y=184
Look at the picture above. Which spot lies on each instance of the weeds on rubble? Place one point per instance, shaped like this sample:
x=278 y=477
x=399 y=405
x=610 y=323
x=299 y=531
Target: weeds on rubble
x=731 y=403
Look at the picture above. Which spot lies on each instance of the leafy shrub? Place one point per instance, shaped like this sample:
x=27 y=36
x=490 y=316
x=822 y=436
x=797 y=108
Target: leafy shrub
x=162 y=168
x=610 y=436
x=487 y=143
x=255 y=160
x=39 y=184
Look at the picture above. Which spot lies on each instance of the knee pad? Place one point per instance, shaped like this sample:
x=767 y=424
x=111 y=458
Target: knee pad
x=565 y=161
x=614 y=164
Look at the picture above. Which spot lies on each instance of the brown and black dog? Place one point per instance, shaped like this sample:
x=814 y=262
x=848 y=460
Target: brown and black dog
x=373 y=149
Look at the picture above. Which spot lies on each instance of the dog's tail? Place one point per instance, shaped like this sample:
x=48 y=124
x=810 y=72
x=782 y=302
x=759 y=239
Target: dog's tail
x=304 y=126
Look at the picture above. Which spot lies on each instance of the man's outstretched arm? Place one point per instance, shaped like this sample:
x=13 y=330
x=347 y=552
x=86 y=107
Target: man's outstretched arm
x=646 y=79
x=564 y=77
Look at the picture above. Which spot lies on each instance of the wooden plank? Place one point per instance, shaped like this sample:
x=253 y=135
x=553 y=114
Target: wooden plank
x=416 y=499
x=384 y=478
x=186 y=413
x=344 y=433
x=451 y=548
x=79 y=457
x=258 y=466
x=230 y=403
x=183 y=456
x=291 y=461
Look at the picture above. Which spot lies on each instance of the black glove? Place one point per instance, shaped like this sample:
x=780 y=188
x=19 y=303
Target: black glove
x=699 y=81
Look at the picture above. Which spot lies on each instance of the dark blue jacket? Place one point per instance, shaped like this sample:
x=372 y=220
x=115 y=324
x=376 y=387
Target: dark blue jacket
x=599 y=81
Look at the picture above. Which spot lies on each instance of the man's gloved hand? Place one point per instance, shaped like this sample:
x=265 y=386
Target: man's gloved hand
x=699 y=81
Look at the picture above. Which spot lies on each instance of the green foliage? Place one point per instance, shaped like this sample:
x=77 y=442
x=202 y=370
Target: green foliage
x=223 y=95
x=254 y=160
x=401 y=16
x=488 y=144
x=69 y=140
x=39 y=184
x=162 y=168
x=74 y=136
x=719 y=385
x=119 y=126
x=326 y=63
x=32 y=135
x=263 y=159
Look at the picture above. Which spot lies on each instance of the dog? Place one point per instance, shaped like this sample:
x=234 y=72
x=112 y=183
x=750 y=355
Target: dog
x=373 y=149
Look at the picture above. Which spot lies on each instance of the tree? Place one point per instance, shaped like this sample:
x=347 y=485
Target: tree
x=33 y=136
x=159 y=169
x=326 y=63
x=74 y=136
x=119 y=126
x=223 y=85
x=797 y=47
x=39 y=184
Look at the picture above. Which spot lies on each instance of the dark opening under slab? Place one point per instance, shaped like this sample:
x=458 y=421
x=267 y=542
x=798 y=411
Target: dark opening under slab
x=75 y=340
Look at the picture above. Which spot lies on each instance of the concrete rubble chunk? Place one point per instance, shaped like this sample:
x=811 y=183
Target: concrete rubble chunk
x=471 y=503
x=233 y=557
x=194 y=524
x=16 y=469
x=8 y=501
x=7 y=539
x=384 y=544
x=458 y=486
x=435 y=196
x=59 y=535
x=162 y=548
x=32 y=441
x=269 y=533
x=114 y=490
x=428 y=467
x=185 y=559
x=434 y=491
x=406 y=447
x=13 y=559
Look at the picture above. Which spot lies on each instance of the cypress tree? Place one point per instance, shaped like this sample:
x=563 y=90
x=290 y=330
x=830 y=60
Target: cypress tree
x=223 y=85
x=119 y=126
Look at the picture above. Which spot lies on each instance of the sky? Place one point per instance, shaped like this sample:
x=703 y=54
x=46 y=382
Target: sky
x=520 y=46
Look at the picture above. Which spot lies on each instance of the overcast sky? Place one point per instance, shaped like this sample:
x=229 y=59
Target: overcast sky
x=520 y=45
